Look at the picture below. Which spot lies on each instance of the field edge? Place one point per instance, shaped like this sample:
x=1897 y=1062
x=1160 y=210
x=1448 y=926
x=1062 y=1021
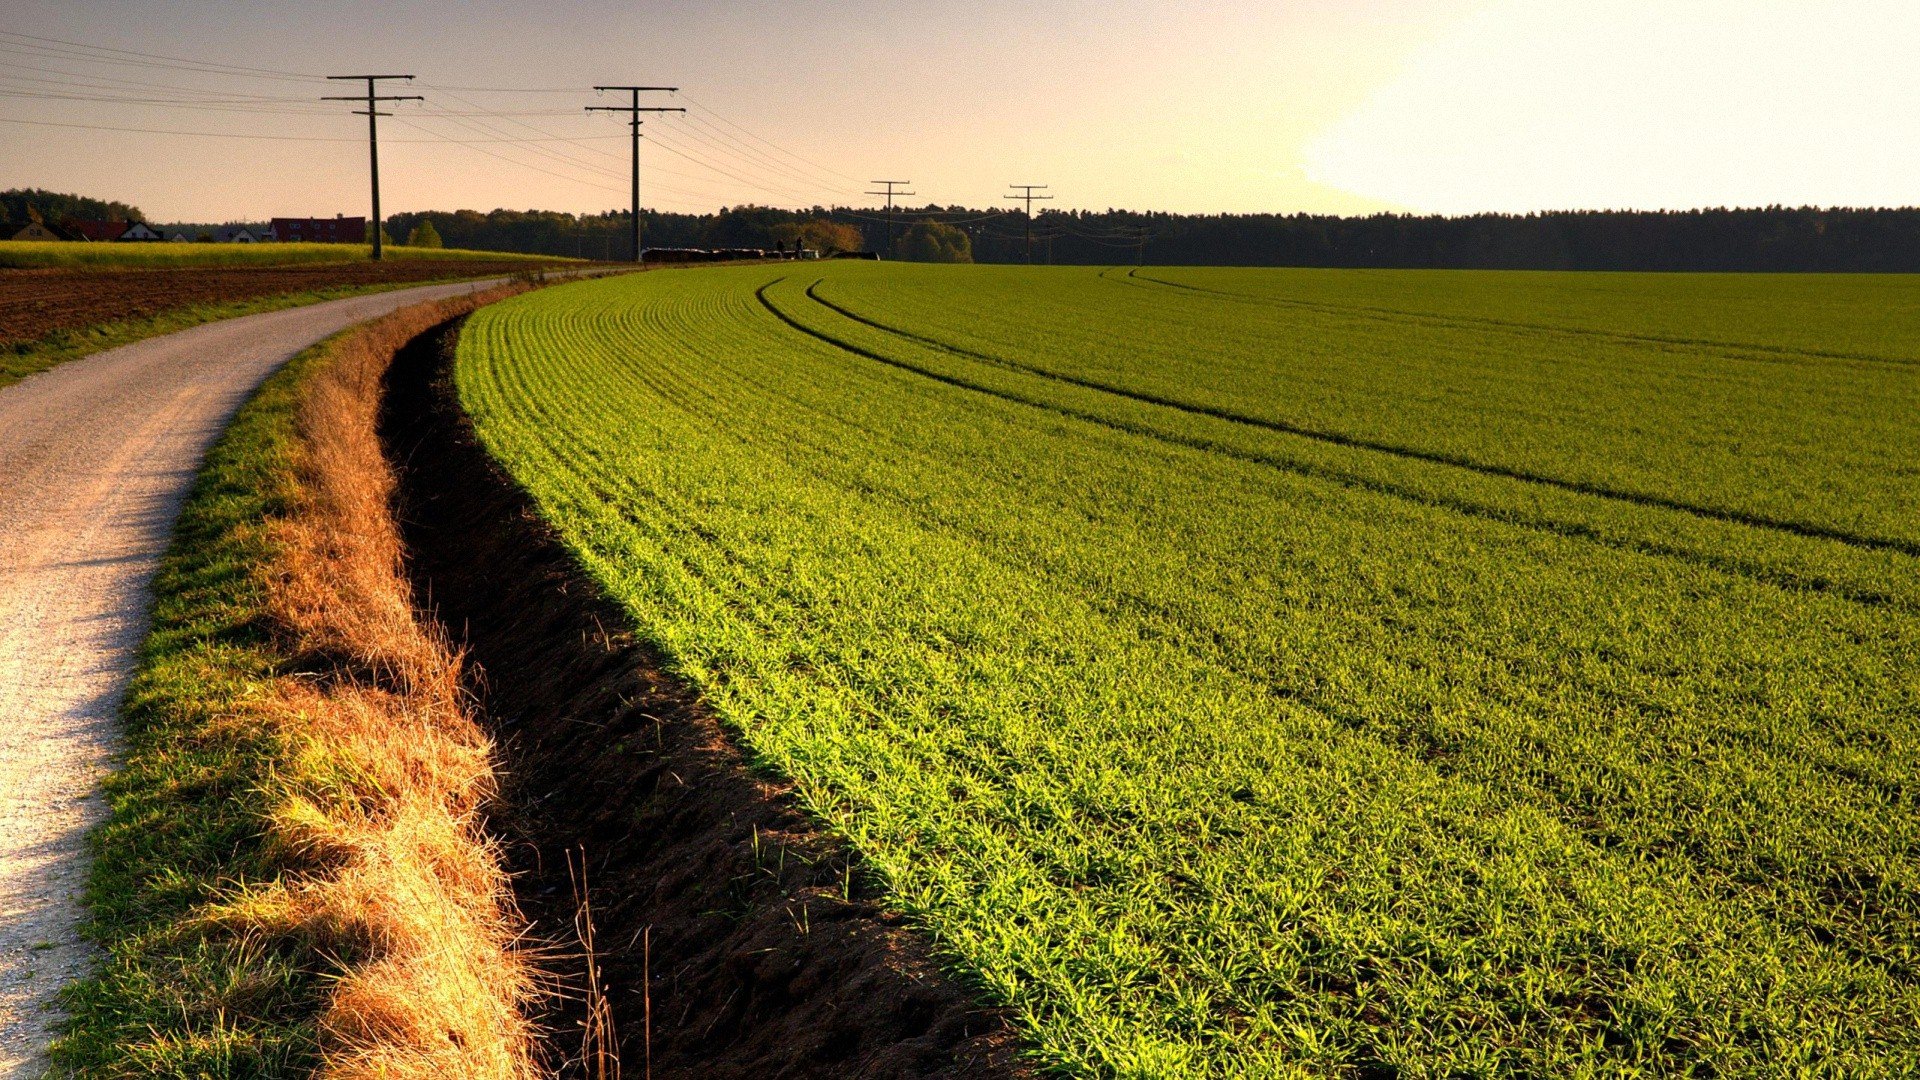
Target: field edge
x=769 y=949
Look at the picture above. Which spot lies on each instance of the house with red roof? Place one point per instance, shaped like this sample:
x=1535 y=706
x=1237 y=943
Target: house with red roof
x=338 y=229
x=107 y=232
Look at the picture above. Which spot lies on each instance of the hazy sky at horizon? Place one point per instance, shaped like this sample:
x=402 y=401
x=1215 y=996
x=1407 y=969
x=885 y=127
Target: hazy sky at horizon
x=1314 y=105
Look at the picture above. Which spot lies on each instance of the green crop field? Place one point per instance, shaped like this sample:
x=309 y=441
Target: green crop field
x=26 y=254
x=1267 y=673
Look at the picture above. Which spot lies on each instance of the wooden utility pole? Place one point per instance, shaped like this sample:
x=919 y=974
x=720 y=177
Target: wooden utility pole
x=373 y=115
x=890 y=193
x=633 y=111
x=1027 y=196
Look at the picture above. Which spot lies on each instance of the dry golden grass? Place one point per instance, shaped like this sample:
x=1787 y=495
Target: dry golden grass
x=385 y=774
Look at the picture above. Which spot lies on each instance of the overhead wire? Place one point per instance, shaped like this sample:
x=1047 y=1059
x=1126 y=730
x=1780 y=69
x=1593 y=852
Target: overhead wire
x=254 y=108
x=95 y=81
x=523 y=164
x=32 y=45
x=235 y=134
x=928 y=215
x=767 y=142
x=577 y=162
x=676 y=151
x=580 y=163
x=749 y=154
x=543 y=151
x=733 y=155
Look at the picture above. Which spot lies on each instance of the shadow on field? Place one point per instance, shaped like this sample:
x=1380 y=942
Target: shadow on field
x=735 y=940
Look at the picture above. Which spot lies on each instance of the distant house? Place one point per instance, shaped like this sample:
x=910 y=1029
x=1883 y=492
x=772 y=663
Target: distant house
x=95 y=232
x=35 y=230
x=107 y=232
x=338 y=229
x=235 y=234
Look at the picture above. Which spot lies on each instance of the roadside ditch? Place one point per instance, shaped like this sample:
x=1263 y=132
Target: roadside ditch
x=731 y=938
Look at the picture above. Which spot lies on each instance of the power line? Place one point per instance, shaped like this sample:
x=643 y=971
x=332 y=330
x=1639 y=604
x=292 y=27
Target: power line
x=73 y=50
x=677 y=152
x=163 y=131
x=508 y=160
x=512 y=119
x=250 y=108
x=475 y=144
x=505 y=89
x=69 y=80
x=271 y=138
x=558 y=156
x=890 y=193
x=779 y=187
x=136 y=83
x=633 y=111
x=760 y=159
x=777 y=176
x=595 y=168
x=1027 y=196
x=804 y=161
x=373 y=114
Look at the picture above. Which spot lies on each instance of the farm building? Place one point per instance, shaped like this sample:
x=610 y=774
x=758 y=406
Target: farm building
x=33 y=230
x=338 y=229
x=104 y=232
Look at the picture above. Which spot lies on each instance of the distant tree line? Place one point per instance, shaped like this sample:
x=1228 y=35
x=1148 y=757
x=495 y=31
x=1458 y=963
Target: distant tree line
x=607 y=236
x=1769 y=239
x=21 y=205
x=1772 y=238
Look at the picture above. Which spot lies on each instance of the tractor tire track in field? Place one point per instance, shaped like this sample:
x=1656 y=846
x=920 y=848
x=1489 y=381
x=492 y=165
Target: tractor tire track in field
x=1434 y=748
x=742 y=943
x=1743 y=568
x=1732 y=349
x=96 y=458
x=1354 y=442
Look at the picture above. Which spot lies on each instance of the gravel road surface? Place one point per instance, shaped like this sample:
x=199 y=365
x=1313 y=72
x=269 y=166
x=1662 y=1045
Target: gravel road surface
x=96 y=457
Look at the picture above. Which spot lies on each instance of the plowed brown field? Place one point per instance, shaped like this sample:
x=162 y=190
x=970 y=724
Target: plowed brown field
x=36 y=303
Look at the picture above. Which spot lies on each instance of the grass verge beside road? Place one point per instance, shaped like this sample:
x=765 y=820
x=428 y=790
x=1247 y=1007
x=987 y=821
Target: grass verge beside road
x=293 y=873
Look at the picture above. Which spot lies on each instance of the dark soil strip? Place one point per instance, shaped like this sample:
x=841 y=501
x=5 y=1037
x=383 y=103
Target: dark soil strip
x=1355 y=442
x=37 y=303
x=761 y=943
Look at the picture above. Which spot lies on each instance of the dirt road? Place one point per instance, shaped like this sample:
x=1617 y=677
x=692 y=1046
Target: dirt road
x=95 y=459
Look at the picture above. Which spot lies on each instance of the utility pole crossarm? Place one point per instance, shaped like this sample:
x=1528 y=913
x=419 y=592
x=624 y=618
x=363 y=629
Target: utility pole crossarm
x=1028 y=197
x=891 y=186
x=373 y=97
x=633 y=110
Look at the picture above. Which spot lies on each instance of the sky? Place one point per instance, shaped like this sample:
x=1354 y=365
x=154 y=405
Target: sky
x=1323 y=106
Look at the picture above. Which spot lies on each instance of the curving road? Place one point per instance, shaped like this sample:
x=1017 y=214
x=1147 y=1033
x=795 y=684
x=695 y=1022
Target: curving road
x=96 y=457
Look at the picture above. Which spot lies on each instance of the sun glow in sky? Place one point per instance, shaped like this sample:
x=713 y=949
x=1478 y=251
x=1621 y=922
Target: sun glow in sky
x=1240 y=105
x=1541 y=104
